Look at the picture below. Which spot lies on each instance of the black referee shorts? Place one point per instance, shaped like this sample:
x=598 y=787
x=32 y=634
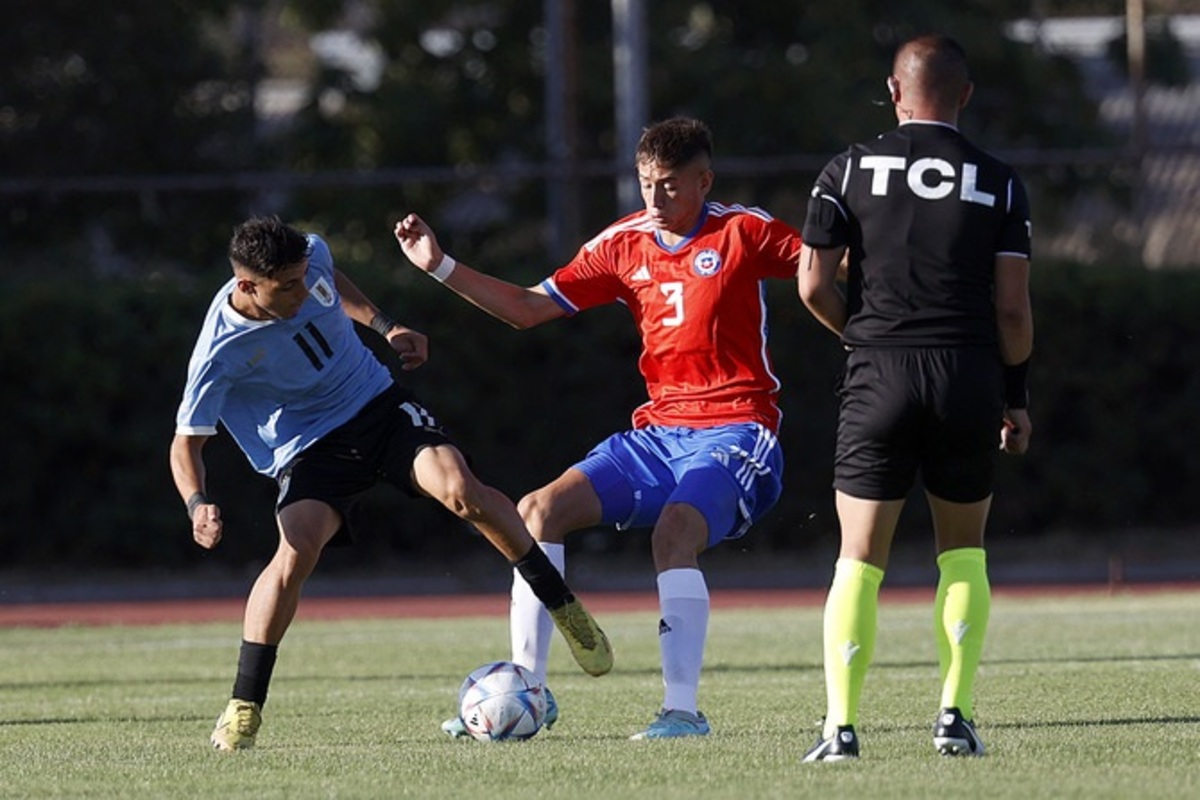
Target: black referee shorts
x=377 y=444
x=933 y=410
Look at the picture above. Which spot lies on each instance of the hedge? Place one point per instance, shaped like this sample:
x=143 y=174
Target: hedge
x=91 y=368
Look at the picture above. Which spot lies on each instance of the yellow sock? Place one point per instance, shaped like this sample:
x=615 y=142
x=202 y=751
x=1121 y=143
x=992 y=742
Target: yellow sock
x=961 y=610
x=849 y=633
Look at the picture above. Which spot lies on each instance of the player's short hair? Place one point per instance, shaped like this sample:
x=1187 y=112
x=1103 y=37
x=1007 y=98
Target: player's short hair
x=266 y=246
x=674 y=142
x=938 y=64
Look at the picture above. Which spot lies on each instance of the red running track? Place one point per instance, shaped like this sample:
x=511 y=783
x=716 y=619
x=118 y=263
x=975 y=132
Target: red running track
x=159 y=612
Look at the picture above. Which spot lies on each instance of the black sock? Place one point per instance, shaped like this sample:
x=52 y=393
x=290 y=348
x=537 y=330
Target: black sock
x=545 y=581
x=256 y=662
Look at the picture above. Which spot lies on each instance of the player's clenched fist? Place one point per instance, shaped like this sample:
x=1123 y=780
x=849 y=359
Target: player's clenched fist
x=418 y=243
x=207 y=525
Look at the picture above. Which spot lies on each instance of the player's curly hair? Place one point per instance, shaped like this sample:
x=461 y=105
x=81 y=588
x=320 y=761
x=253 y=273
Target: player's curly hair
x=265 y=246
x=674 y=142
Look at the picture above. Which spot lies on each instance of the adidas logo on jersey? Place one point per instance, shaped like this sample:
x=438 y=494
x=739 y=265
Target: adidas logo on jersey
x=642 y=273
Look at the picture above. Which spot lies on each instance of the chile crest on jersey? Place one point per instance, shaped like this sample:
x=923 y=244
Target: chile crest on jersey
x=706 y=263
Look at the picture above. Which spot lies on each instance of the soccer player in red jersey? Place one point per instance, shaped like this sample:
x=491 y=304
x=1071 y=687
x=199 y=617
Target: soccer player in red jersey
x=701 y=462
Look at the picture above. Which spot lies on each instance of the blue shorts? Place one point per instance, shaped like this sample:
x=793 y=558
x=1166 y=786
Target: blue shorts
x=732 y=474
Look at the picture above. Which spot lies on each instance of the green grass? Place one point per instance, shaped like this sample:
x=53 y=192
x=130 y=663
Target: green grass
x=1095 y=697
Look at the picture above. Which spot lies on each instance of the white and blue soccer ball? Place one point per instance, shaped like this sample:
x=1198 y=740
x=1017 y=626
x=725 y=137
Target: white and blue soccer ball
x=502 y=701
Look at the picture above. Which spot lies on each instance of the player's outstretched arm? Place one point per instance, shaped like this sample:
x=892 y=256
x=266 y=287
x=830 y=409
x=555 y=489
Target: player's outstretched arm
x=187 y=468
x=520 y=307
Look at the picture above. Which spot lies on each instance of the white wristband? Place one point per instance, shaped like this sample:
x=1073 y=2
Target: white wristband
x=444 y=269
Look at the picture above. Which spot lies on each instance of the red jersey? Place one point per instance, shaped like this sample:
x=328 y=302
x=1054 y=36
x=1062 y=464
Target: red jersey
x=700 y=309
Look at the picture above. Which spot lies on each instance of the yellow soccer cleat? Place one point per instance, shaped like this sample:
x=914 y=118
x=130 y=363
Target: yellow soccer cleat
x=588 y=644
x=237 y=726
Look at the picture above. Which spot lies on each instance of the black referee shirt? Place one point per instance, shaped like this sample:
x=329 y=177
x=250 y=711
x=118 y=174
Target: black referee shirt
x=924 y=214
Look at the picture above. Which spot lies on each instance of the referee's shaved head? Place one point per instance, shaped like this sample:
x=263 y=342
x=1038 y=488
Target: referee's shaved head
x=932 y=68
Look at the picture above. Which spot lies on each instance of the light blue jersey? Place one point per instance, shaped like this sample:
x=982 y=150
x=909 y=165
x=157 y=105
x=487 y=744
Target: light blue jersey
x=279 y=385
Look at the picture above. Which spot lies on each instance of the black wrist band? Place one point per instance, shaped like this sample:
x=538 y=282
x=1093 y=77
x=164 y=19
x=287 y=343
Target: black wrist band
x=1016 y=390
x=381 y=323
x=195 y=501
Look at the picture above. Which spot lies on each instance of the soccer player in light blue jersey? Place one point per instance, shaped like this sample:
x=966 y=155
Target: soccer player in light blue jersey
x=279 y=364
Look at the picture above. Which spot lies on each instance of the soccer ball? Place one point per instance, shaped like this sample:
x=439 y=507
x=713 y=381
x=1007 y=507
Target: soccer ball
x=502 y=701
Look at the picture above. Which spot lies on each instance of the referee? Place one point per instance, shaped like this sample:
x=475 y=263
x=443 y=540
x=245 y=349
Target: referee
x=937 y=323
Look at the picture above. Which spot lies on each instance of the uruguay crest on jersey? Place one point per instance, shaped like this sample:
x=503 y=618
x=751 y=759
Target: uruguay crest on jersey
x=322 y=292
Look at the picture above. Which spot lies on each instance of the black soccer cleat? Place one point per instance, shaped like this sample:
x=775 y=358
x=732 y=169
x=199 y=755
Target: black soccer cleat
x=841 y=746
x=955 y=736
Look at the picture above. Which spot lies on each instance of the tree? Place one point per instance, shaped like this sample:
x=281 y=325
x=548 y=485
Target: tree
x=145 y=93
x=463 y=86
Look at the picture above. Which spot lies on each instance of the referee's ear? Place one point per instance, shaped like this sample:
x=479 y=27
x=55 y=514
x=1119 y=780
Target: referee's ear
x=967 y=91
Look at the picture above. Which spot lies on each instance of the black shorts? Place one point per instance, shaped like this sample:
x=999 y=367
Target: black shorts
x=904 y=410
x=378 y=444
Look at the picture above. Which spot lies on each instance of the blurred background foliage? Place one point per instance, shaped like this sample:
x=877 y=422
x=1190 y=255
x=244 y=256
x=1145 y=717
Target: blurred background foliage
x=129 y=149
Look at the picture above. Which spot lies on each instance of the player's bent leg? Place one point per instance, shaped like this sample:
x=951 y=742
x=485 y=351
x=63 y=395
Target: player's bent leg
x=711 y=500
x=565 y=504
x=589 y=646
x=568 y=503
x=305 y=526
x=530 y=626
x=441 y=472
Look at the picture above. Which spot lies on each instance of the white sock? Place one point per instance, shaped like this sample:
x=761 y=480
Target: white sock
x=683 y=600
x=529 y=624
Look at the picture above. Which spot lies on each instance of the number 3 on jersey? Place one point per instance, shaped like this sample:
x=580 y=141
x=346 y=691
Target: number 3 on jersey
x=673 y=291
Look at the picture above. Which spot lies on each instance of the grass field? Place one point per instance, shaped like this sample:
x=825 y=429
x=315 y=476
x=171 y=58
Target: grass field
x=1081 y=697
